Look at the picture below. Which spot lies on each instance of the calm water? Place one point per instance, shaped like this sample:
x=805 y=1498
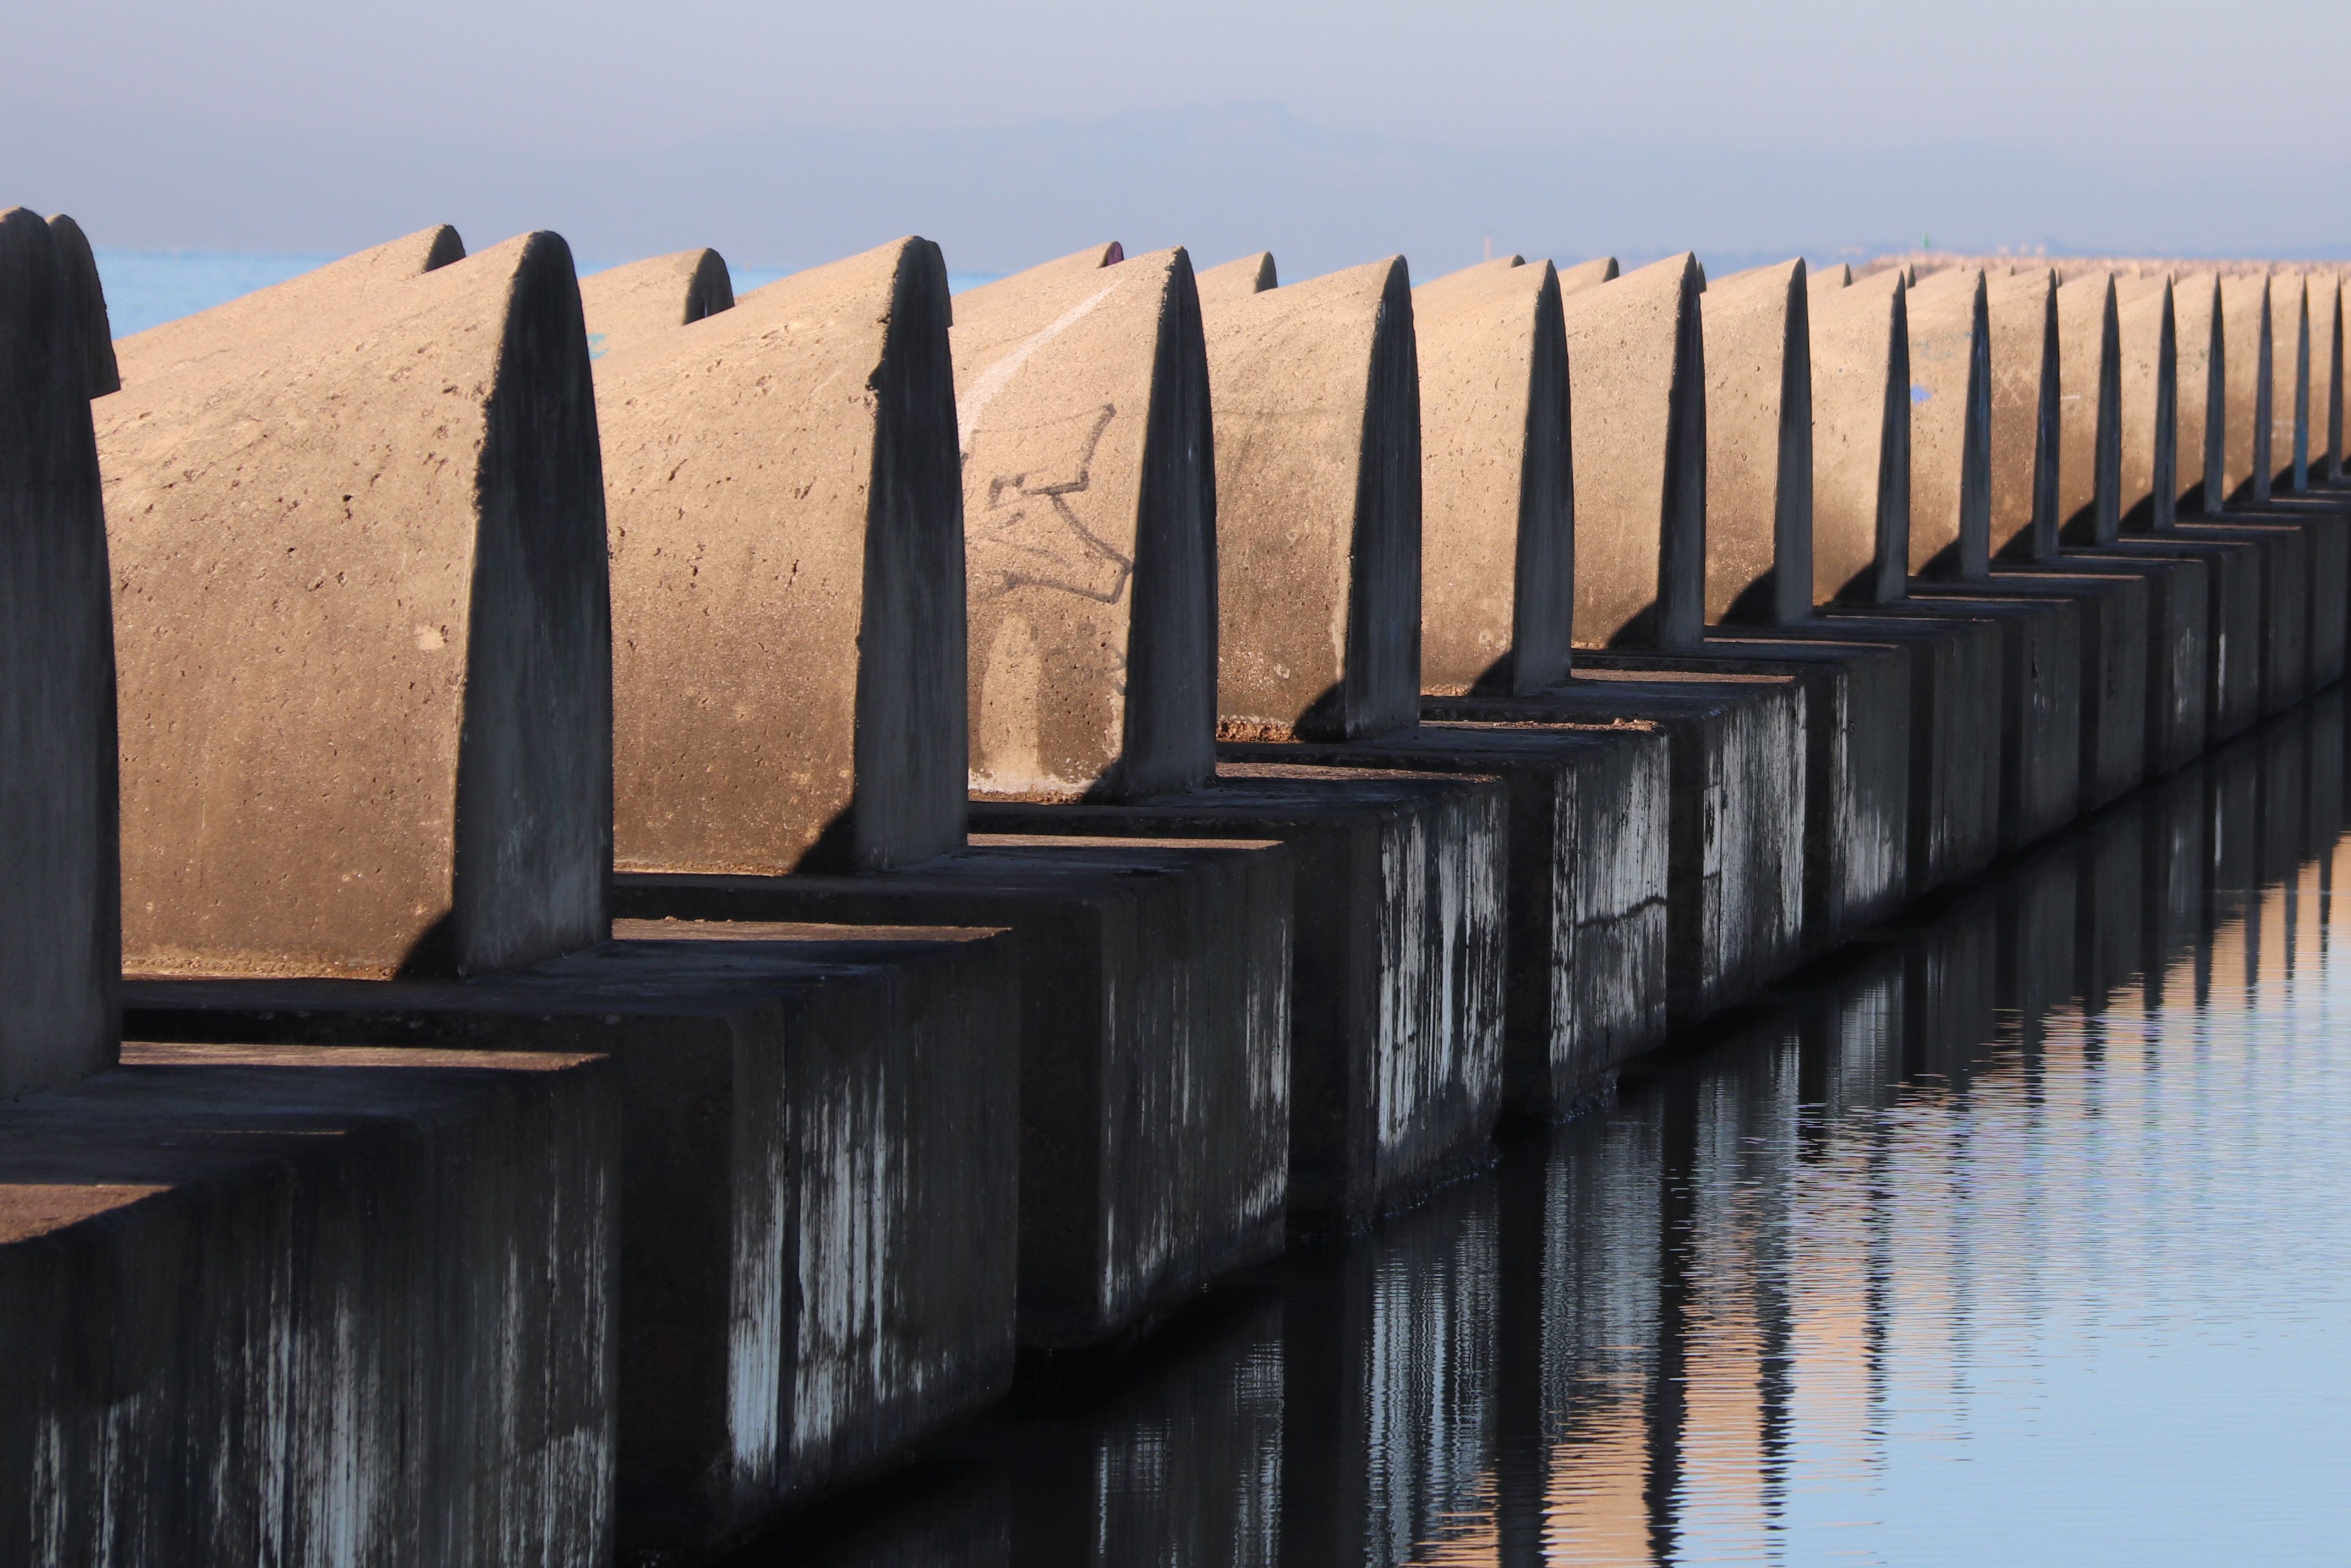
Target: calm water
x=2014 y=1239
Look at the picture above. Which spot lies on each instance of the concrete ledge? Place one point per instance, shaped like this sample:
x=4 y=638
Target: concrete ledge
x=2233 y=620
x=2283 y=654
x=279 y=1303
x=1735 y=843
x=2325 y=522
x=1397 y=976
x=1153 y=1048
x=2179 y=646
x=1584 y=889
x=816 y=1213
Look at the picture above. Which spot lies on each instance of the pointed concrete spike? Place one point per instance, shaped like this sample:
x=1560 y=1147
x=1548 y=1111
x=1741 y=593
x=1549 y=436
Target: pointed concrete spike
x=1951 y=426
x=1318 y=507
x=1759 y=447
x=2021 y=309
x=2289 y=382
x=60 y=929
x=360 y=599
x=2325 y=293
x=1861 y=441
x=1089 y=507
x=1237 y=279
x=2202 y=390
x=1498 y=518
x=2245 y=383
x=90 y=324
x=287 y=307
x=625 y=305
x=1636 y=370
x=802 y=708
x=2089 y=409
x=1830 y=277
x=2146 y=487
x=1587 y=275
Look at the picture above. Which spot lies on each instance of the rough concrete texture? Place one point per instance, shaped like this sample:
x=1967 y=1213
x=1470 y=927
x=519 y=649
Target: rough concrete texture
x=2323 y=522
x=2179 y=654
x=626 y=305
x=2089 y=384
x=1829 y=278
x=1318 y=495
x=1951 y=426
x=2289 y=384
x=1089 y=507
x=2201 y=392
x=1498 y=520
x=1735 y=838
x=2233 y=632
x=1856 y=765
x=96 y=335
x=359 y=597
x=1861 y=441
x=817 y=1154
x=2021 y=312
x=1236 y=280
x=2039 y=704
x=1585 y=275
x=2281 y=654
x=1637 y=367
x=1396 y=978
x=1584 y=889
x=2147 y=474
x=235 y=331
x=1759 y=447
x=1154 y=1048
x=287 y=1304
x=2245 y=391
x=60 y=947
x=787 y=569
x=2326 y=377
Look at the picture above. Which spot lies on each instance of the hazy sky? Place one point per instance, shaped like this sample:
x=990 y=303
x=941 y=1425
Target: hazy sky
x=794 y=132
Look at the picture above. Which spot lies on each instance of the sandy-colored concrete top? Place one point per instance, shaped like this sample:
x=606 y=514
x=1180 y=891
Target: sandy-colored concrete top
x=2021 y=309
x=287 y=307
x=2089 y=409
x=626 y=304
x=786 y=514
x=2147 y=482
x=2245 y=386
x=1758 y=446
x=2289 y=389
x=1237 y=279
x=90 y=325
x=61 y=932
x=1950 y=425
x=1861 y=441
x=1318 y=506
x=1498 y=506
x=2326 y=374
x=361 y=600
x=1637 y=367
x=1587 y=275
x=2201 y=398
x=1830 y=277
x=1090 y=505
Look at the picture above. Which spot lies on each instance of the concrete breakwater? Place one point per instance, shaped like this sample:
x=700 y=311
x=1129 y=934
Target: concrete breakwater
x=789 y=856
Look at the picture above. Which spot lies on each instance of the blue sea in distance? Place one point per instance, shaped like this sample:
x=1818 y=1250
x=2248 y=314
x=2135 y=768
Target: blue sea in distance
x=148 y=287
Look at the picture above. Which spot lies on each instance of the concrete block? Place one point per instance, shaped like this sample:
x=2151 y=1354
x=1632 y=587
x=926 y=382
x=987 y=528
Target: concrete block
x=2089 y=445
x=1829 y=278
x=1861 y=441
x=1585 y=275
x=96 y=334
x=1735 y=844
x=816 y=1213
x=2201 y=391
x=1154 y=1041
x=1081 y=391
x=2326 y=377
x=2286 y=577
x=2244 y=339
x=2288 y=400
x=2146 y=356
x=282 y=1303
x=1584 y=889
x=2232 y=619
x=785 y=496
x=1498 y=524
x=1397 y=962
x=2323 y=520
x=1236 y=280
x=1951 y=426
x=237 y=328
x=1759 y=447
x=360 y=599
x=2178 y=657
x=59 y=931
x=626 y=305
x=2024 y=432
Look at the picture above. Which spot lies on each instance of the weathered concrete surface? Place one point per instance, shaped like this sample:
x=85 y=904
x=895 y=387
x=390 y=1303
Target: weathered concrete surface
x=2146 y=476
x=1734 y=888
x=2089 y=449
x=626 y=305
x=2326 y=377
x=1637 y=367
x=99 y=374
x=1830 y=277
x=1090 y=505
x=1397 y=964
x=287 y=1304
x=1154 y=1048
x=1318 y=506
x=2245 y=390
x=2203 y=392
x=2323 y=520
x=1951 y=426
x=1587 y=275
x=2288 y=465
x=2234 y=630
x=236 y=330
x=361 y=604
x=1498 y=521
x=788 y=578
x=818 y=1153
x=1759 y=447
x=2179 y=657
x=61 y=932
x=1861 y=441
x=1236 y=280
x=1584 y=889
x=2282 y=654
x=2021 y=310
